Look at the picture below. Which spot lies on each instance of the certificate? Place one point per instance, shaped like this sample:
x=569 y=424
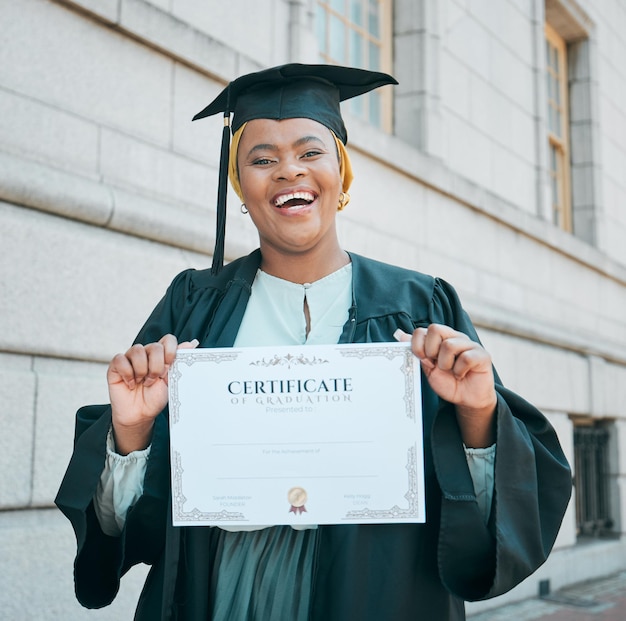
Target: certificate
x=310 y=434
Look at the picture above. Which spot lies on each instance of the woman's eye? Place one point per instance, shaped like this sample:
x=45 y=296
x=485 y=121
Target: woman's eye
x=312 y=153
x=262 y=161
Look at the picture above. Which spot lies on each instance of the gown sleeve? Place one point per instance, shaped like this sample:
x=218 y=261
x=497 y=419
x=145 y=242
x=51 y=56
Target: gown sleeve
x=101 y=559
x=532 y=487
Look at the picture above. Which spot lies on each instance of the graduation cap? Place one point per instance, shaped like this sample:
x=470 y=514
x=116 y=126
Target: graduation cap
x=284 y=92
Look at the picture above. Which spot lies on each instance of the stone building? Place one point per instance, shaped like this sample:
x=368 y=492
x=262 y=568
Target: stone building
x=498 y=163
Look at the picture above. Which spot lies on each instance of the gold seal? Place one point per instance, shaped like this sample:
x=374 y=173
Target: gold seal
x=296 y=497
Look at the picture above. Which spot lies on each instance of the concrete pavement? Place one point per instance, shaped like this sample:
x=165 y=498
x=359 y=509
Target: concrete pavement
x=598 y=600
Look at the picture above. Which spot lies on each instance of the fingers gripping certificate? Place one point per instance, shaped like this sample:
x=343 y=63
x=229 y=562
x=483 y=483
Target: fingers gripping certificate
x=296 y=435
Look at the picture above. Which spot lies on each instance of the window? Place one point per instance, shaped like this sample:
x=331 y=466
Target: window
x=572 y=120
x=591 y=482
x=558 y=128
x=358 y=33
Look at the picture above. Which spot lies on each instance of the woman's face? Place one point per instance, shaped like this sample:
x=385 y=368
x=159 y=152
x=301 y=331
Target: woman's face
x=289 y=175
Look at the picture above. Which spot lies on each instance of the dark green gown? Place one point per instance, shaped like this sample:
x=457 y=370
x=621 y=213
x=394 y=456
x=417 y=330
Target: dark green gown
x=372 y=572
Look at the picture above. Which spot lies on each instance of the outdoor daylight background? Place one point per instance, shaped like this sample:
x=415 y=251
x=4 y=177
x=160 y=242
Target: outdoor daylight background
x=498 y=163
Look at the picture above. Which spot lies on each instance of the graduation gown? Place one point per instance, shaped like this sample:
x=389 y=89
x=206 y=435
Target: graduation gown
x=369 y=572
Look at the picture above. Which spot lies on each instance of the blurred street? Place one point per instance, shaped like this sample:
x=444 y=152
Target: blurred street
x=600 y=600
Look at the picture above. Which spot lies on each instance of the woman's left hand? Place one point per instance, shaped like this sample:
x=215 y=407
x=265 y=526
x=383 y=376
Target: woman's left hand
x=459 y=370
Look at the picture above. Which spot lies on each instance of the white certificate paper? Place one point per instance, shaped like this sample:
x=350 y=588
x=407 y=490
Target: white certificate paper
x=296 y=435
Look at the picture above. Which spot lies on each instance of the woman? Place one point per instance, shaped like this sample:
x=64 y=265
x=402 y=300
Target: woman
x=487 y=526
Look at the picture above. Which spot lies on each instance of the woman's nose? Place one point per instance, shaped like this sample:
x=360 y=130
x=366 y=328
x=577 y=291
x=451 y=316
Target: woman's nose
x=290 y=169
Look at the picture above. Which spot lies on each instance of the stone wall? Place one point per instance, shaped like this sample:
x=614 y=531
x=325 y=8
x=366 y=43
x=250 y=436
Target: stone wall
x=107 y=191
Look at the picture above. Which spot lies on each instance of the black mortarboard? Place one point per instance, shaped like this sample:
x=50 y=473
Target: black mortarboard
x=285 y=92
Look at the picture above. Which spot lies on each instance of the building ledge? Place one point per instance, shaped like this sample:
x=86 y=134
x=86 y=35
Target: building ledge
x=38 y=185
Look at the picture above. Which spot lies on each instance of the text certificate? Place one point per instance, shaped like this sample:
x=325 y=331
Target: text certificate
x=296 y=435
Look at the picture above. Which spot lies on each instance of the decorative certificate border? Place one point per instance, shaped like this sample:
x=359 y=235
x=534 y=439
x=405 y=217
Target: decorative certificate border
x=288 y=360
x=413 y=510
x=195 y=515
x=412 y=495
x=190 y=359
x=407 y=368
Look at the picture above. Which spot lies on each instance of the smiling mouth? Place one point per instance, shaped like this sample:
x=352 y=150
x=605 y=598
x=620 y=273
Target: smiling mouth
x=295 y=199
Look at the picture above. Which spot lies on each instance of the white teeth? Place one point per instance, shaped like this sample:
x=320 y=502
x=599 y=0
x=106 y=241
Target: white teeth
x=306 y=196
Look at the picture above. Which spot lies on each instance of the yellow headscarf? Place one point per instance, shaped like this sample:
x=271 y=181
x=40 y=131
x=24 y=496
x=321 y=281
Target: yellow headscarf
x=345 y=167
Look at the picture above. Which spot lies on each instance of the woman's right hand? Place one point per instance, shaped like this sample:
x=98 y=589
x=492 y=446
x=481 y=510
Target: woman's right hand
x=138 y=390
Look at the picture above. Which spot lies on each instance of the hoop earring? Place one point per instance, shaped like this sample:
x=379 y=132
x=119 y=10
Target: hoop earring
x=244 y=210
x=344 y=199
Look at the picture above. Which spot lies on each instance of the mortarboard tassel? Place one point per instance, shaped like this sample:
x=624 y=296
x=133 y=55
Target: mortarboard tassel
x=222 y=188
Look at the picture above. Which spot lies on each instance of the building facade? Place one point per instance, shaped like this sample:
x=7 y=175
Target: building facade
x=498 y=163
